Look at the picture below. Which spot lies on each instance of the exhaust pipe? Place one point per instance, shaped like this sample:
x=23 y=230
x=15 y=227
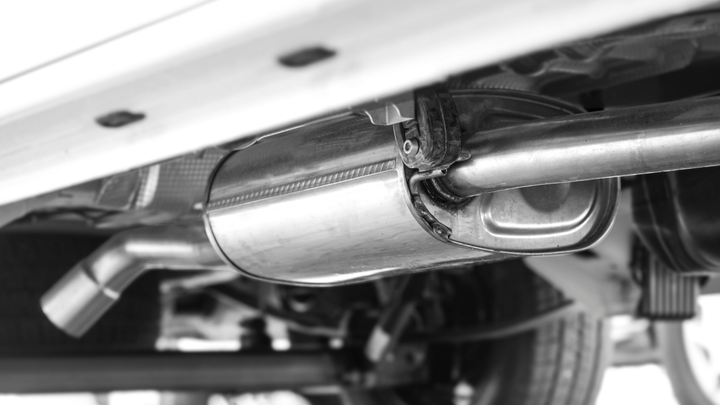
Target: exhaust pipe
x=622 y=142
x=89 y=289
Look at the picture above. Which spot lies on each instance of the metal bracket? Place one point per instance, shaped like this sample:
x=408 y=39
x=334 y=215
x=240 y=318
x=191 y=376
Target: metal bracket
x=391 y=111
x=432 y=140
x=439 y=230
x=430 y=144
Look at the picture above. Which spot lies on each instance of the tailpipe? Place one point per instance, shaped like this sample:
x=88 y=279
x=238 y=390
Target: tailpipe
x=78 y=300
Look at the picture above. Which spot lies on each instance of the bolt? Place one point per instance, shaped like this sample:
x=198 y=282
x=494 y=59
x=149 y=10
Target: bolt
x=441 y=231
x=411 y=147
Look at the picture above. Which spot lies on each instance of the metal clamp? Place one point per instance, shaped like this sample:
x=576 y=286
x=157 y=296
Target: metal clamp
x=439 y=230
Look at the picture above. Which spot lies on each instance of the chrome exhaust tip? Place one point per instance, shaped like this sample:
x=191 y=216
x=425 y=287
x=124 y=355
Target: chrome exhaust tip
x=76 y=302
x=81 y=297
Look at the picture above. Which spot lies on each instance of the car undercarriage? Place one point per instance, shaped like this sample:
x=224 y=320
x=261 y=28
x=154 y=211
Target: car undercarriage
x=463 y=239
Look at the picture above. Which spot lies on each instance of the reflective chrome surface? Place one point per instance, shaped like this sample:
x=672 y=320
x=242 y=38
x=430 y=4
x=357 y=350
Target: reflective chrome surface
x=90 y=288
x=628 y=141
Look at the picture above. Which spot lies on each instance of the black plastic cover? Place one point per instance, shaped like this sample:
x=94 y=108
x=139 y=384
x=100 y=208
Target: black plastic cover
x=678 y=218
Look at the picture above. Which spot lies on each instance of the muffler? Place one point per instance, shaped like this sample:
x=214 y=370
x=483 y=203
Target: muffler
x=345 y=200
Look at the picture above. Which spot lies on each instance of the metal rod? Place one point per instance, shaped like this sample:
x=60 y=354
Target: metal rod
x=621 y=142
x=169 y=371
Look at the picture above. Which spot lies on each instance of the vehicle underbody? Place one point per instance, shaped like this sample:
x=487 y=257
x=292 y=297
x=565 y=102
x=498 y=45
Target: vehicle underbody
x=461 y=241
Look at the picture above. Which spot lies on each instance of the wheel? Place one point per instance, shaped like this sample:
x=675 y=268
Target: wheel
x=690 y=354
x=30 y=264
x=560 y=363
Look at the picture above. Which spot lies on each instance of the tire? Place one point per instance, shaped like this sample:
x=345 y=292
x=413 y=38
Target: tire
x=675 y=343
x=30 y=264
x=561 y=363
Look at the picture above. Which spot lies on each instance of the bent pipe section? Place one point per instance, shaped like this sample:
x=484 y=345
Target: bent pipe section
x=622 y=142
x=78 y=300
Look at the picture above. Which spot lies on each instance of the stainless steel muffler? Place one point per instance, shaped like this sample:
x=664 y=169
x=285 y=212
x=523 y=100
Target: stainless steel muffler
x=335 y=201
x=338 y=201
